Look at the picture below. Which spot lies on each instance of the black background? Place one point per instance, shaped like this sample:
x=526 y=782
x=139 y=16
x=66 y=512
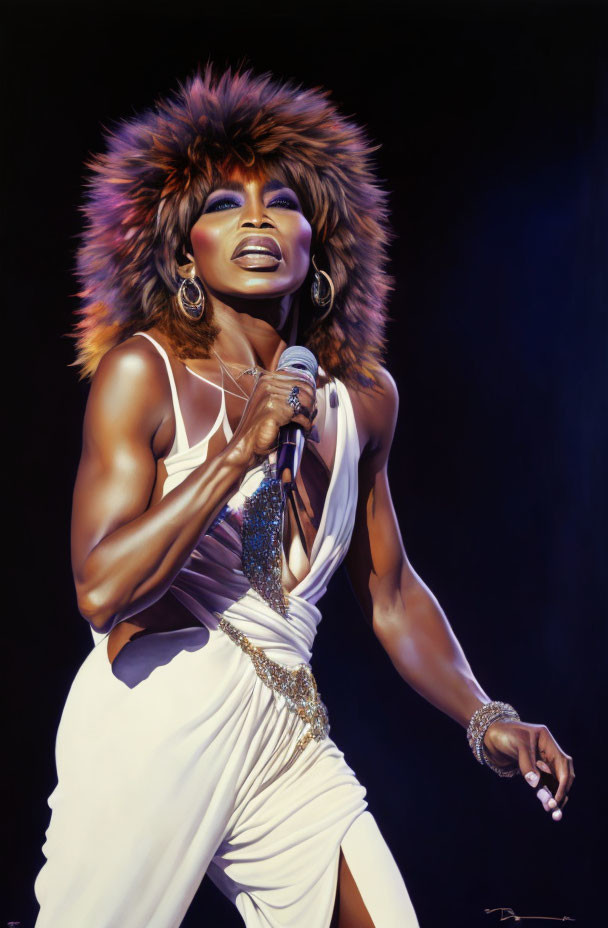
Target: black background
x=492 y=120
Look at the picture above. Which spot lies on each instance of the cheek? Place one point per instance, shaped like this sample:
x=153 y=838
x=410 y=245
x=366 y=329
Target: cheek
x=206 y=240
x=301 y=237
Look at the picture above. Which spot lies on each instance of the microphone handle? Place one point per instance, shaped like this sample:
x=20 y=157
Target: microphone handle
x=291 y=446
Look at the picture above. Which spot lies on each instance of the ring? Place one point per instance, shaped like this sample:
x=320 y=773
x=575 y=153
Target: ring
x=293 y=401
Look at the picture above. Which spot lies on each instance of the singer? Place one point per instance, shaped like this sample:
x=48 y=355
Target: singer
x=235 y=449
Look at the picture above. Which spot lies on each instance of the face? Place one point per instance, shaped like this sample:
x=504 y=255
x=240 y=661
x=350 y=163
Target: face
x=252 y=239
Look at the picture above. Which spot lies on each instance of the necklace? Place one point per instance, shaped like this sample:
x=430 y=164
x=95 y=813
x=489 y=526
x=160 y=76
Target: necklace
x=251 y=370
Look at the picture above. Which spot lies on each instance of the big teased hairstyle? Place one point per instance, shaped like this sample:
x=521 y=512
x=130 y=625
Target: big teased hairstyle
x=144 y=194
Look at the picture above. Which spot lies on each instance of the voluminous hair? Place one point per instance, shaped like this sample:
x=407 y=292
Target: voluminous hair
x=146 y=191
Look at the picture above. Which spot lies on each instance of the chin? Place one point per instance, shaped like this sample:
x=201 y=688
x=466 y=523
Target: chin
x=257 y=289
x=259 y=296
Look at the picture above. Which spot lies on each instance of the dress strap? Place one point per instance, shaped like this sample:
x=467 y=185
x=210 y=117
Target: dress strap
x=239 y=396
x=180 y=429
x=228 y=433
x=204 y=379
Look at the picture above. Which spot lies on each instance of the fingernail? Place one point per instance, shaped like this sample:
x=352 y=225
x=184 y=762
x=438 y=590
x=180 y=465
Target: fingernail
x=556 y=815
x=552 y=803
x=314 y=433
x=532 y=778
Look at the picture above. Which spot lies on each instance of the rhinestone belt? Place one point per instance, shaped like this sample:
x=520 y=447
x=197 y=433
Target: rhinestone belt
x=297 y=686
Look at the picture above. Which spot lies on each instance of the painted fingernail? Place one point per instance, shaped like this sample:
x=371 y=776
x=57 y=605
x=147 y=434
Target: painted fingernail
x=556 y=815
x=532 y=778
x=552 y=803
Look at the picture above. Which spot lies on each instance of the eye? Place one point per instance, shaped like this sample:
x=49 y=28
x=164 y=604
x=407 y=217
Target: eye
x=284 y=202
x=221 y=203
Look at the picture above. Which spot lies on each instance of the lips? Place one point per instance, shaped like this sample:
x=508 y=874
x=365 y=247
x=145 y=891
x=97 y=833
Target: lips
x=257 y=245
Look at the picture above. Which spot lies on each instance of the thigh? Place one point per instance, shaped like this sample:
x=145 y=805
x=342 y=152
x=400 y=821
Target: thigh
x=309 y=849
x=278 y=863
x=146 y=782
x=371 y=892
x=350 y=910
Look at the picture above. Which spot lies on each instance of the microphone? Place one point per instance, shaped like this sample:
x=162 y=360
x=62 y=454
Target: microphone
x=291 y=436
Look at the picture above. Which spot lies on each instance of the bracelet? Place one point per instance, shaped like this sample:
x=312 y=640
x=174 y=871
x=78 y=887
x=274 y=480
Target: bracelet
x=481 y=720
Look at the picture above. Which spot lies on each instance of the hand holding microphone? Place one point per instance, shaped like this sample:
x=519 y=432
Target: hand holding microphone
x=276 y=410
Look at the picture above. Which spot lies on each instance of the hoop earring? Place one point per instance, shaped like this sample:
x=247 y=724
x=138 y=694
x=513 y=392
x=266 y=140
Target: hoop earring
x=322 y=292
x=190 y=295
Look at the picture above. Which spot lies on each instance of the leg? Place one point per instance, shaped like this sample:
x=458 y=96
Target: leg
x=349 y=910
x=146 y=783
x=280 y=861
x=370 y=892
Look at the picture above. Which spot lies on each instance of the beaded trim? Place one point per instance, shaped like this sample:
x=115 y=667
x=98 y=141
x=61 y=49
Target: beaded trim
x=481 y=720
x=298 y=687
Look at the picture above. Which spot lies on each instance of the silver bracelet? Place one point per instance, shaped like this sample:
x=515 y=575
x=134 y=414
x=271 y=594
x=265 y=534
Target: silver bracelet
x=481 y=720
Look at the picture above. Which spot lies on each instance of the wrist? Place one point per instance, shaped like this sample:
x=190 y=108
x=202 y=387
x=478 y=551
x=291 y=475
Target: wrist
x=238 y=455
x=472 y=699
x=481 y=739
x=489 y=738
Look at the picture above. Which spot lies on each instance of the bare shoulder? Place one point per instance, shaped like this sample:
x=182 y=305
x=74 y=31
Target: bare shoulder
x=376 y=409
x=134 y=358
x=129 y=389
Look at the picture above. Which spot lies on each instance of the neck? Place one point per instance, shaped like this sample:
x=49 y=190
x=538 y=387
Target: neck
x=255 y=332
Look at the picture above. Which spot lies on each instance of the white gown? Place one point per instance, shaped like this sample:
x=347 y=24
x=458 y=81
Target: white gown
x=178 y=760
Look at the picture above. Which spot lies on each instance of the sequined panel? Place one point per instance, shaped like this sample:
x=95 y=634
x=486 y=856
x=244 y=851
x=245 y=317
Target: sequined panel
x=298 y=687
x=262 y=542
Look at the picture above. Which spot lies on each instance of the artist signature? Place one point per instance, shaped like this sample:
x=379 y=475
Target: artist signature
x=507 y=914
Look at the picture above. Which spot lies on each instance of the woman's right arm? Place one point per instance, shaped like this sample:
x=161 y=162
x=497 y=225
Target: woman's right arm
x=126 y=553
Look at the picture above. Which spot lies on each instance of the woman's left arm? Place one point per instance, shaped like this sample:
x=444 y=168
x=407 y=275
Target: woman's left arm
x=411 y=625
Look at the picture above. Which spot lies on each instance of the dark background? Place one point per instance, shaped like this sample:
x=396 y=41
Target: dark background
x=492 y=120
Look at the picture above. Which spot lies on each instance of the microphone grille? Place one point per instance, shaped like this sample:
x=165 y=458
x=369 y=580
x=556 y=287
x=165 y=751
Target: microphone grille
x=299 y=357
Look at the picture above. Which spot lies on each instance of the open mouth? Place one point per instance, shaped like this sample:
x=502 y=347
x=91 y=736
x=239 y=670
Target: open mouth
x=258 y=246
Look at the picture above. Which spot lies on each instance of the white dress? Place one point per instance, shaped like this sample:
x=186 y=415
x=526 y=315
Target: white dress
x=179 y=760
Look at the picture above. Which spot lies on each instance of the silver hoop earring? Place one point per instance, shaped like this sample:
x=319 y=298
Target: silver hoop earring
x=190 y=295
x=322 y=292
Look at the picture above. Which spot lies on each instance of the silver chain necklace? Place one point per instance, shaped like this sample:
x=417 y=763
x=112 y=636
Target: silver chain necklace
x=254 y=371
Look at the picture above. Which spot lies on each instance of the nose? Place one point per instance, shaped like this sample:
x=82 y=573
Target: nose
x=254 y=214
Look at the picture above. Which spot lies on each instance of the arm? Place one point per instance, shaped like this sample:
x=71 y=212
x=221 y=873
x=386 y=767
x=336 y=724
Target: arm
x=407 y=618
x=126 y=552
x=403 y=612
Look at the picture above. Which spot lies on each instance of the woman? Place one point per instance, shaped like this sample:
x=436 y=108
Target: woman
x=236 y=218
